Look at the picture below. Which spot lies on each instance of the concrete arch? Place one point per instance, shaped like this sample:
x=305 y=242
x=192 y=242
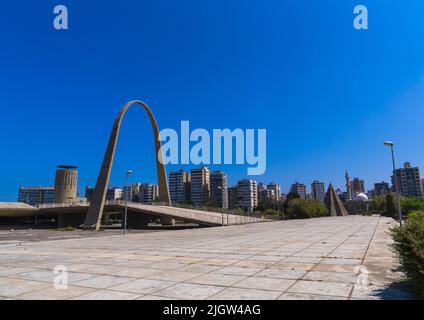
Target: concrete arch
x=95 y=211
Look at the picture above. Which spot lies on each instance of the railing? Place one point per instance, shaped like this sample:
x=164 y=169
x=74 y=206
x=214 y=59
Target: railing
x=86 y=204
x=121 y=202
x=62 y=205
x=221 y=218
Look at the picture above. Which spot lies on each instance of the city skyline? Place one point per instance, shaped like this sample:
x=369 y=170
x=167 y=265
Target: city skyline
x=322 y=89
x=181 y=187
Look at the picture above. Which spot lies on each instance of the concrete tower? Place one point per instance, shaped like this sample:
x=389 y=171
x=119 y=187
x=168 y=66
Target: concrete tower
x=348 y=186
x=65 y=186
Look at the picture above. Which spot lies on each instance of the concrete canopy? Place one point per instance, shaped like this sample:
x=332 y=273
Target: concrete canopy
x=16 y=209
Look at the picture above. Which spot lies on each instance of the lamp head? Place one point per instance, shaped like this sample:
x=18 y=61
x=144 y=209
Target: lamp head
x=129 y=172
x=388 y=143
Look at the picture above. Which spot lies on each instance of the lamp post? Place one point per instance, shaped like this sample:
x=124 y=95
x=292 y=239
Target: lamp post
x=126 y=201
x=222 y=209
x=390 y=145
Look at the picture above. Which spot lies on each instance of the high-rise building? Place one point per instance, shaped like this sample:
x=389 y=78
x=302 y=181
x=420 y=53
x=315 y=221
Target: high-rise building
x=247 y=194
x=114 y=193
x=179 y=186
x=233 y=197
x=318 y=190
x=36 y=195
x=200 y=185
x=408 y=181
x=357 y=186
x=261 y=191
x=381 y=189
x=219 y=188
x=267 y=194
x=89 y=193
x=300 y=189
x=148 y=193
x=276 y=188
x=130 y=192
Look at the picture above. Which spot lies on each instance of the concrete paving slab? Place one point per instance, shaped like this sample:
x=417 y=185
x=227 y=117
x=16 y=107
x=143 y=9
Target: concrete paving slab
x=282 y=273
x=52 y=293
x=305 y=296
x=141 y=286
x=107 y=295
x=189 y=291
x=217 y=279
x=238 y=271
x=18 y=288
x=344 y=277
x=322 y=288
x=176 y=276
x=102 y=282
x=264 y=283
x=298 y=259
x=246 y=294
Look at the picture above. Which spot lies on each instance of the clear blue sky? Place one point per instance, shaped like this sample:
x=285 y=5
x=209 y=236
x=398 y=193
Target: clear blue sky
x=327 y=94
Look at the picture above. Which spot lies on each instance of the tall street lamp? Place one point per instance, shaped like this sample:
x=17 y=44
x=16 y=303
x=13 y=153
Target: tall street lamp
x=222 y=210
x=390 y=145
x=126 y=201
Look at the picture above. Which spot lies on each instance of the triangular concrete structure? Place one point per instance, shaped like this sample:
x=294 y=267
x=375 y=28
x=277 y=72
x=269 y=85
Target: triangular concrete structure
x=333 y=203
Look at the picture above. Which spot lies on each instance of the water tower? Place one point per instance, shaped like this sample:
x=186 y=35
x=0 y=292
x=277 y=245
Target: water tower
x=65 y=185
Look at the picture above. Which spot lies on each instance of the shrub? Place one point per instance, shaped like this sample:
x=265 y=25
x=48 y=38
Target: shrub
x=409 y=204
x=68 y=228
x=270 y=212
x=409 y=249
x=305 y=209
x=378 y=204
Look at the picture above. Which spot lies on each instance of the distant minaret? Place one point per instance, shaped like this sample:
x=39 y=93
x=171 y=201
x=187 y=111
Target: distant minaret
x=348 y=187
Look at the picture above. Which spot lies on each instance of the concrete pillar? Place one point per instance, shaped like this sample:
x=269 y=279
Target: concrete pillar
x=167 y=222
x=107 y=220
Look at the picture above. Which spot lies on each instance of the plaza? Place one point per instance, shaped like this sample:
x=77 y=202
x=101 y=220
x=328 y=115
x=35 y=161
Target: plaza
x=324 y=258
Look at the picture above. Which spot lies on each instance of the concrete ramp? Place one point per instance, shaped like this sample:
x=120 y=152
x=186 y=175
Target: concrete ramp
x=74 y=214
x=201 y=217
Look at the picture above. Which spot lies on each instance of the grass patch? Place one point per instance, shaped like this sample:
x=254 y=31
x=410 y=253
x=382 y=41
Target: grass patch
x=66 y=229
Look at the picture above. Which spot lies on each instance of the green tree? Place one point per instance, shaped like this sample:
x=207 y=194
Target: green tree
x=210 y=203
x=306 y=208
x=390 y=206
x=267 y=203
x=378 y=204
x=290 y=196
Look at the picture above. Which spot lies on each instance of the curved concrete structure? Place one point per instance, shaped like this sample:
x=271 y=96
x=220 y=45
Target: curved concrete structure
x=94 y=214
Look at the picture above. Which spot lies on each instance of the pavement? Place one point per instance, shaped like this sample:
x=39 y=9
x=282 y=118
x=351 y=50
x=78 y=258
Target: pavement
x=324 y=258
x=13 y=235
